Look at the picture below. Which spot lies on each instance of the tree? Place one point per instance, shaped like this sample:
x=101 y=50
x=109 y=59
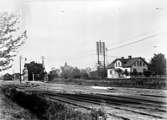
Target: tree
x=16 y=76
x=94 y=74
x=134 y=72
x=11 y=38
x=119 y=71
x=147 y=73
x=126 y=72
x=84 y=73
x=76 y=73
x=157 y=64
x=54 y=73
x=8 y=76
x=66 y=71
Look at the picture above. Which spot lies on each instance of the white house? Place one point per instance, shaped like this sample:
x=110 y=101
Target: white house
x=120 y=65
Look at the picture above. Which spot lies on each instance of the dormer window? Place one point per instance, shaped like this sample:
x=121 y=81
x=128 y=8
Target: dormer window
x=118 y=63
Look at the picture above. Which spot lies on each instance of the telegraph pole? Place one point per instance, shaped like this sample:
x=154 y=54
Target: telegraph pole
x=104 y=54
x=20 y=67
x=43 y=61
x=45 y=77
x=33 y=78
x=101 y=51
x=98 y=62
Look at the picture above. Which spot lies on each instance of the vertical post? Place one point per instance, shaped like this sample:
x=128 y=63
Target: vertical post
x=33 y=76
x=43 y=61
x=20 y=68
x=43 y=65
x=104 y=53
x=97 y=46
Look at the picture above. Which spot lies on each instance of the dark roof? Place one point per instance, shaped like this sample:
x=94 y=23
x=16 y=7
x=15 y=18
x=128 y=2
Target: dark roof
x=110 y=65
x=126 y=62
x=121 y=59
x=130 y=62
x=32 y=63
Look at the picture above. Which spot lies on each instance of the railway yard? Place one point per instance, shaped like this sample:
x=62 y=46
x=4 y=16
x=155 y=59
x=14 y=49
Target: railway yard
x=117 y=102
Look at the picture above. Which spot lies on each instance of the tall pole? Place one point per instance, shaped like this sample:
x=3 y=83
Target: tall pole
x=43 y=64
x=20 y=68
x=43 y=61
x=33 y=77
x=97 y=46
x=104 y=54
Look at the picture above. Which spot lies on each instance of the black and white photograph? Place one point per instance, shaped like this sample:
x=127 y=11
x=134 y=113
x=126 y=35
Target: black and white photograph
x=83 y=60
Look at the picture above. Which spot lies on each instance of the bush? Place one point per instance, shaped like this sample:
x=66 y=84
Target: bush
x=147 y=73
x=8 y=76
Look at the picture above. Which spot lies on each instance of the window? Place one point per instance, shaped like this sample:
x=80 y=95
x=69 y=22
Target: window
x=118 y=64
x=143 y=64
x=137 y=63
x=110 y=71
x=140 y=63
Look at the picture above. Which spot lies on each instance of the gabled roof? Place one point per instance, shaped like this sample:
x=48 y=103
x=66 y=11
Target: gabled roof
x=111 y=65
x=128 y=62
x=131 y=61
x=121 y=59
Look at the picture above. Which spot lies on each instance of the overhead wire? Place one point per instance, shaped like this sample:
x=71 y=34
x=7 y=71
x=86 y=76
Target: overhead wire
x=93 y=52
x=133 y=42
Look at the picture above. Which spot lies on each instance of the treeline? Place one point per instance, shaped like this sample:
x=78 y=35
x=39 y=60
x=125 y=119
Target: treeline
x=9 y=76
x=156 y=67
x=69 y=72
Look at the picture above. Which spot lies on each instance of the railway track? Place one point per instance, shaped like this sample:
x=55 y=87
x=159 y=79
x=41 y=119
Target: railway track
x=135 y=106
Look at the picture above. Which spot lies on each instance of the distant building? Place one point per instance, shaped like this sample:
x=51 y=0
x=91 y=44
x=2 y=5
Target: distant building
x=25 y=74
x=122 y=67
x=34 y=71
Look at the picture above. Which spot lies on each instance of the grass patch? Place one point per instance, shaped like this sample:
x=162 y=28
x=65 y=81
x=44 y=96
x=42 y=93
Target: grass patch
x=148 y=83
x=12 y=111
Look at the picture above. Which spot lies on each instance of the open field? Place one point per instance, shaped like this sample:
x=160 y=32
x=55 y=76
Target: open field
x=119 y=103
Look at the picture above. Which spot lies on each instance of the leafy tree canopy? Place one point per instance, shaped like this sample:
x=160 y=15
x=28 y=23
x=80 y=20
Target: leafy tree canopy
x=11 y=38
x=158 y=64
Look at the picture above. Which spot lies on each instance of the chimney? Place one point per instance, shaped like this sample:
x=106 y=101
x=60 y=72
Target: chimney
x=129 y=56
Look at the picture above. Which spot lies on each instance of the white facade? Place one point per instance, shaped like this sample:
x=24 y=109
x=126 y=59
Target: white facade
x=139 y=65
x=111 y=73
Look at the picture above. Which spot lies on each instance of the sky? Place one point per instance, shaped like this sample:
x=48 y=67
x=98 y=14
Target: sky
x=67 y=31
